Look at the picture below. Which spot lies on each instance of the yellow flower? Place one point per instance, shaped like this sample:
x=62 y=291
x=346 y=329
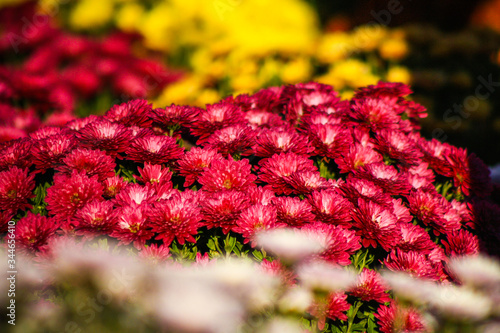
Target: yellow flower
x=350 y=73
x=334 y=47
x=393 y=49
x=129 y=16
x=296 y=71
x=91 y=14
x=398 y=74
x=368 y=37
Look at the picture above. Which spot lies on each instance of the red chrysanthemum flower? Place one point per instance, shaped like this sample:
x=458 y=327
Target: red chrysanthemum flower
x=461 y=243
x=340 y=243
x=105 y=135
x=415 y=238
x=330 y=207
x=176 y=218
x=225 y=175
x=434 y=210
x=79 y=123
x=470 y=174
x=397 y=146
x=387 y=177
x=434 y=153
x=305 y=182
x=133 y=225
x=334 y=307
x=155 y=175
x=135 y=194
x=357 y=157
x=133 y=113
x=278 y=140
x=376 y=224
x=172 y=118
x=72 y=192
x=329 y=140
x=45 y=132
x=215 y=117
x=16 y=153
x=154 y=253
x=113 y=186
x=192 y=164
x=255 y=219
x=374 y=113
x=16 y=187
x=394 y=318
x=415 y=264
x=276 y=171
x=5 y=217
x=371 y=287
x=49 y=152
x=222 y=209
x=95 y=218
x=356 y=188
x=33 y=231
x=155 y=149
x=263 y=119
x=383 y=89
x=293 y=211
x=93 y=162
x=260 y=195
x=232 y=140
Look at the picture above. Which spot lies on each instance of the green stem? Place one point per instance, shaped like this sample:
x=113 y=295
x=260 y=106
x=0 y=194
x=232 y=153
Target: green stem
x=357 y=305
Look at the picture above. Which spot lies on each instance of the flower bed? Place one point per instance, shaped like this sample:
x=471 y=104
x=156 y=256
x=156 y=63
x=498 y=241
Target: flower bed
x=186 y=183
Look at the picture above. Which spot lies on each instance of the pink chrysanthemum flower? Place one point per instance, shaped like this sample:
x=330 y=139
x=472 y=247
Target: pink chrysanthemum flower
x=232 y=140
x=192 y=164
x=131 y=113
x=376 y=224
x=414 y=263
x=33 y=231
x=225 y=175
x=255 y=219
x=72 y=192
x=280 y=140
x=175 y=219
x=93 y=162
x=371 y=287
x=155 y=149
x=461 y=243
x=96 y=217
x=113 y=186
x=329 y=140
x=16 y=153
x=387 y=177
x=222 y=209
x=133 y=225
x=356 y=158
x=384 y=89
x=293 y=211
x=79 y=123
x=105 y=135
x=49 y=152
x=276 y=171
x=260 y=195
x=397 y=146
x=215 y=117
x=394 y=318
x=434 y=153
x=263 y=119
x=5 y=217
x=171 y=118
x=45 y=132
x=135 y=194
x=155 y=175
x=155 y=254
x=340 y=243
x=415 y=238
x=305 y=182
x=330 y=207
x=356 y=188
x=16 y=187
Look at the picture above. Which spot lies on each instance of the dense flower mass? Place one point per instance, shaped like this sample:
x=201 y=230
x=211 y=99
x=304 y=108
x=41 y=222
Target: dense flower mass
x=355 y=177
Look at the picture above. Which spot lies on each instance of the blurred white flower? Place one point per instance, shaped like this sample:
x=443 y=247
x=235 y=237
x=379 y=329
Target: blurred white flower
x=460 y=303
x=291 y=245
x=409 y=288
x=296 y=300
x=280 y=325
x=324 y=277
x=478 y=271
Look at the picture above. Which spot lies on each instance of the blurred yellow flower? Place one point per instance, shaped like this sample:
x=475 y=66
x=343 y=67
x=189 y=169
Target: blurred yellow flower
x=393 y=49
x=350 y=73
x=398 y=74
x=91 y=14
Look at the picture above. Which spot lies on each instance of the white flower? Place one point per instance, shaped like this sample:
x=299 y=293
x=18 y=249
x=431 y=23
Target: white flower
x=296 y=300
x=409 y=288
x=280 y=325
x=291 y=245
x=478 y=271
x=325 y=277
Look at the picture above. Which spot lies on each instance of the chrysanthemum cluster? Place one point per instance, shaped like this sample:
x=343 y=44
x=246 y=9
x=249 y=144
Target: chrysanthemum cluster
x=58 y=71
x=353 y=174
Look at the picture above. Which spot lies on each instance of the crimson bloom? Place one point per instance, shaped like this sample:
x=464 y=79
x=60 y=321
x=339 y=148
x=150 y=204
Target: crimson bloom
x=49 y=152
x=154 y=149
x=133 y=225
x=93 y=162
x=16 y=187
x=371 y=287
x=280 y=140
x=225 y=175
x=255 y=219
x=133 y=113
x=105 y=135
x=232 y=140
x=222 y=209
x=293 y=211
x=330 y=207
x=394 y=318
x=33 y=231
x=192 y=164
x=96 y=217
